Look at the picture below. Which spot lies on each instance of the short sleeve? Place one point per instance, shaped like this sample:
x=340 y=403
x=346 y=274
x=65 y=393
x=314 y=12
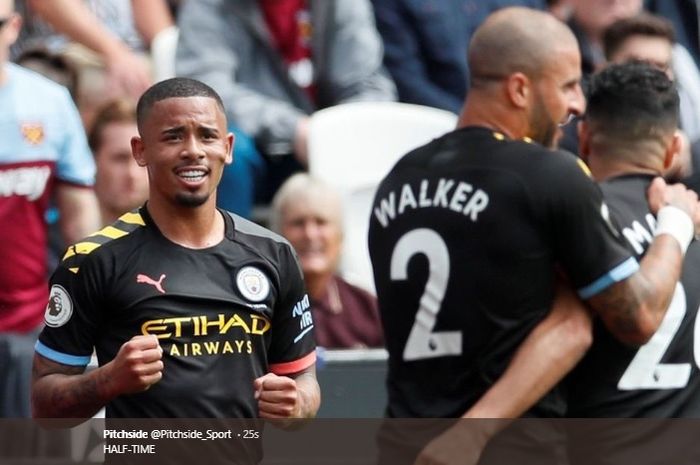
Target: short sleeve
x=293 y=345
x=72 y=317
x=75 y=164
x=586 y=241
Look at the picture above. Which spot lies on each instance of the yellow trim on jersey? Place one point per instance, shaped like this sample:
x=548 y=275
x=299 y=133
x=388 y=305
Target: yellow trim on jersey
x=498 y=136
x=73 y=270
x=132 y=218
x=111 y=232
x=527 y=139
x=582 y=164
x=80 y=248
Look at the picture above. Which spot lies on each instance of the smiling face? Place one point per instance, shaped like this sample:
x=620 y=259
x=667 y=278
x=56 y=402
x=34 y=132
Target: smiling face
x=184 y=145
x=311 y=223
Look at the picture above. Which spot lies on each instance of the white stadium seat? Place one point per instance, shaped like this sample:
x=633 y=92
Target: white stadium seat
x=352 y=147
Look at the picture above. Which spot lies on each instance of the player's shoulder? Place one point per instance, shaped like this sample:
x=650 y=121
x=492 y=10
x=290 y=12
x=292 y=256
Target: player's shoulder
x=557 y=168
x=541 y=157
x=258 y=238
x=441 y=153
x=628 y=192
x=627 y=182
x=260 y=243
x=250 y=230
x=102 y=242
x=39 y=86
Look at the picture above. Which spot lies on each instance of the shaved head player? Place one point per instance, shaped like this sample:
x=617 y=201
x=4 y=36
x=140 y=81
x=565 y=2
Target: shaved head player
x=467 y=232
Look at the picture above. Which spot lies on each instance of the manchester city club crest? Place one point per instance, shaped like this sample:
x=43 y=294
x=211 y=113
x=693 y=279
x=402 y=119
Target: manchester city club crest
x=253 y=284
x=60 y=307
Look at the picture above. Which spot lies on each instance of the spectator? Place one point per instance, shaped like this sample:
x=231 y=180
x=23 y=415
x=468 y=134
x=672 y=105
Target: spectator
x=110 y=39
x=561 y=9
x=642 y=37
x=590 y=22
x=275 y=62
x=54 y=67
x=590 y=19
x=120 y=184
x=425 y=44
x=651 y=38
x=307 y=212
x=43 y=155
x=684 y=16
x=241 y=179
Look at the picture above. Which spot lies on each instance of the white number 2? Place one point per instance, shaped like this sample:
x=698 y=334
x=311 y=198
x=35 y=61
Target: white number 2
x=645 y=371
x=422 y=342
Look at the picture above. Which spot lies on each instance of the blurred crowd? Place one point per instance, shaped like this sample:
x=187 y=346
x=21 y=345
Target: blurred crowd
x=71 y=71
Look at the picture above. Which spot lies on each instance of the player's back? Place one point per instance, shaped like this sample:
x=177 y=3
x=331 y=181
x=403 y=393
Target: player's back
x=463 y=244
x=661 y=378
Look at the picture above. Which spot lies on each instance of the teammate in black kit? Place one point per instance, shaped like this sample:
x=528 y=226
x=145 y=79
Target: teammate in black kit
x=192 y=312
x=628 y=137
x=466 y=233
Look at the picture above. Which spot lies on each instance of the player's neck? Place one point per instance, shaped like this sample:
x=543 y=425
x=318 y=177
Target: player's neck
x=603 y=169
x=191 y=227
x=485 y=112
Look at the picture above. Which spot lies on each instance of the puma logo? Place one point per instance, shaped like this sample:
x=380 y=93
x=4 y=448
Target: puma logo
x=142 y=278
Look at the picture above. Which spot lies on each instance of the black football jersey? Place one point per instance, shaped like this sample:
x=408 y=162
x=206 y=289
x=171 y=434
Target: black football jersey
x=224 y=315
x=464 y=236
x=660 y=379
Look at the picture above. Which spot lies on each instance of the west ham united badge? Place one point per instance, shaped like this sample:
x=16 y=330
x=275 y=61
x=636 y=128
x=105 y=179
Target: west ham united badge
x=33 y=133
x=253 y=284
x=59 y=308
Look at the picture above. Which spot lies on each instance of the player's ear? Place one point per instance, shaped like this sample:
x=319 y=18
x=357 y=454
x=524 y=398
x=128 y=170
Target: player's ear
x=674 y=149
x=137 y=151
x=230 y=141
x=13 y=28
x=584 y=139
x=518 y=90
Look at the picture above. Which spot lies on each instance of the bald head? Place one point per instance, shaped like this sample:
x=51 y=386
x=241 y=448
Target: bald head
x=514 y=40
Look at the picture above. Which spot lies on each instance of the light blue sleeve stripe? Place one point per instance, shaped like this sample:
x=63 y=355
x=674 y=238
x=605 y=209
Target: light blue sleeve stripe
x=622 y=271
x=74 y=360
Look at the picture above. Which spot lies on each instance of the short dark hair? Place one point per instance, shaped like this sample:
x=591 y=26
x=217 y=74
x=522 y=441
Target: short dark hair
x=173 y=88
x=632 y=102
x=643 y=24
x=119 y=110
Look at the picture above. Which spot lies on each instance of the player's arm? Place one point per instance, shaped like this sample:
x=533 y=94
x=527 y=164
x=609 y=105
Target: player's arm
x=632 y=309
x=549 y=352
x=294 y=396
x=64 y=391
x=79 y=211
x=73 y=18
x=289 y=389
